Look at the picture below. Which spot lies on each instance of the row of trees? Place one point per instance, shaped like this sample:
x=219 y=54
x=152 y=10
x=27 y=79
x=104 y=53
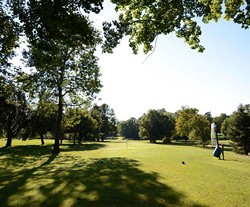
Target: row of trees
x=162 y=125
x=188 y=123
x=20 y=119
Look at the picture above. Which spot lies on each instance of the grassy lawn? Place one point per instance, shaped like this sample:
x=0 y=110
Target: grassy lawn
x=119 y=173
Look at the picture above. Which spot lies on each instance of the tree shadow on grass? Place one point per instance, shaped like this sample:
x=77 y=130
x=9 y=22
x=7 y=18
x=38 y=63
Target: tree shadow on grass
x=23 y=155
x=38 y=150
x=69 y=181
x=81 y=147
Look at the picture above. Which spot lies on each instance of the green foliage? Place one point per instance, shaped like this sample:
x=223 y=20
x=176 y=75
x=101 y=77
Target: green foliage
x=200 y=129
x=129 y=128
x=61 y=45
x=209 y=116
x=224 y=126
x=87 y=127
x=9 y=36
x=105 y=117
x=189 y=123
x=155 y=125
x=43 y=119
x=219 y=120
x=63 y=75
x=145 y=20
x=237 y=129
x=73 y=72
x=63 y=20
x=184 y=122
x=13 y=109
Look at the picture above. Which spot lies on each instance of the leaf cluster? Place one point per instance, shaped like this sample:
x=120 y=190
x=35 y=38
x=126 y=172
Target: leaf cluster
x=9 y=36
x=144 y=20
x=63 y=20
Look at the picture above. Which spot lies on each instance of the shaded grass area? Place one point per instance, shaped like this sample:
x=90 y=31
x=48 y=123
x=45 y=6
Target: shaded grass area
x=49 y=180
x=120 y=173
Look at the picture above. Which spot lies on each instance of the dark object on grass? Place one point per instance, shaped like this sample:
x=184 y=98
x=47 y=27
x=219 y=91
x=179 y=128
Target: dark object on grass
x=183 y=163
x=217 y=152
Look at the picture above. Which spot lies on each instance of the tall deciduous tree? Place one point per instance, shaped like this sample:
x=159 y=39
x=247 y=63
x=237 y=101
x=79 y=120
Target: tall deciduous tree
x=105 y=117
x=184 y=122
x=62 y=42
x=144 y=20
x=13 y=109
x=71 y=121
x=200 y=129
x=80 y=124
x=43 y=119
x=68 y=74
x=193 y=125
x=129 y=128
x=155 y=125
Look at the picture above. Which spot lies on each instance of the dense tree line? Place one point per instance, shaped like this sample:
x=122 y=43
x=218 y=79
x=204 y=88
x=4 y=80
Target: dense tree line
x=78 y=124
x=188 y=124
x=162 y=125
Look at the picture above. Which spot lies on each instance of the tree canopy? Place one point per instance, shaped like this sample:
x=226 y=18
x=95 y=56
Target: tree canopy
x=193 y=125
x=237 y=129
x=129 y=128
x=105 y=117
x=155 y=125
x=144 y=20
x=13 y=109
x=61 y=42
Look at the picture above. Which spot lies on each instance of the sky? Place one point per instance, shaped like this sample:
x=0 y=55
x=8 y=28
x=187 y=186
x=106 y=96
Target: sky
x=174 y=75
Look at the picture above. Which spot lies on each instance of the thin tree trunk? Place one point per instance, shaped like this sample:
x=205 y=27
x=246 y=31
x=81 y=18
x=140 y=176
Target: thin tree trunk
x=80 y=140
x=74 y=138
x=56 y=149
x=42 y=139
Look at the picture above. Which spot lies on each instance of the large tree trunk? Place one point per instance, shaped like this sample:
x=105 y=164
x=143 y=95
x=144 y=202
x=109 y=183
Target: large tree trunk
x=9 y=141
x=9 y=138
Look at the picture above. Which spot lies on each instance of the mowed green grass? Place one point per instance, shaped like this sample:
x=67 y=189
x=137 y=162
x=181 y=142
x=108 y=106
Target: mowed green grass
x=118 y=173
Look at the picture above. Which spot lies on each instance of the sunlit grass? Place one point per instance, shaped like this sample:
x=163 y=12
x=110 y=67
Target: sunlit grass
x=121 y=173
